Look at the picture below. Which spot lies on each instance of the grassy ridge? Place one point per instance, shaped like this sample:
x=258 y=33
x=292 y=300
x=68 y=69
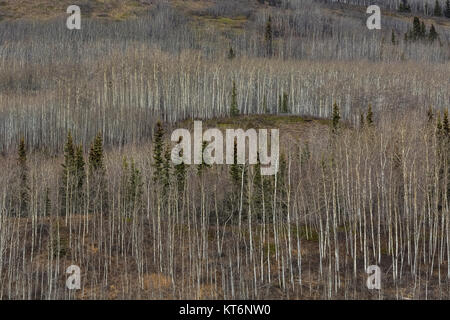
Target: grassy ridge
x=44 y=9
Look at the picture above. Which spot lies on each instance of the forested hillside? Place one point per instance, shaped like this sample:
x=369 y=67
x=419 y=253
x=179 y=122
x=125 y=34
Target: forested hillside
x=85 y=123
x=114 y=73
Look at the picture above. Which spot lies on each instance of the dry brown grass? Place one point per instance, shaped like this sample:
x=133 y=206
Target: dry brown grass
x=157 y=281
x=112 y=9
x=45 y=9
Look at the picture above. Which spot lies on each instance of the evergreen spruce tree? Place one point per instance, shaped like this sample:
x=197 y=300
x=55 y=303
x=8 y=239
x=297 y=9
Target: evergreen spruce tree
x=23 y=178
x=235 y=171
x=268 y=37
x=285 y=103
x=369 y=118
x=158 y=148
x=417 y=30
x=439 y=126
x=234 y=110
x=96 y=154
x=445 y=125
x=430 y=115
x=447 y=9
x=335 y=118
x=80 y=174
x=97 y=173
x=202 y=166
x=446 y=150
x=443 y=144
x=433 y=34
x=437 y=9
x=166 y=173
x=423 y=30
x=257 y=190
x=280 y=102
x=180 y=174
x=404 y=6
x=231 y=54
x=393 y=40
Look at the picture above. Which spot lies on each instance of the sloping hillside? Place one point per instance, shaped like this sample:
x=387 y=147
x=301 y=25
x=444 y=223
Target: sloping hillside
x=33 y=9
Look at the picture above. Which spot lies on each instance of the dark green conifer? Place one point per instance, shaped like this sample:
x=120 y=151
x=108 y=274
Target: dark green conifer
x=268 y=37
x=336 y=117
x=393 y=40
x=97 y=179
x=158 y=148
x=437 y=9
x=96 y=154
x=231 y=54
x=430 y=115
x=202 y=166
x=416 y=31
x=433 y=35
x=23 y=178
x=234 y=110
x=423 y=30
x=369 y=118
x=166 y=172
x=285 y=103
x=439 y=131
x=445 y=125
x=447 y=9
x=258 y=190
x=80 y=174
x=280 y=102
x=180 y=174
x=404 y=6
x=234 y=168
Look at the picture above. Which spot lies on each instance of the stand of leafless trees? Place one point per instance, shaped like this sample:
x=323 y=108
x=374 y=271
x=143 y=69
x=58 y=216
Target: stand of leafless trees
x=139 y=228
x=340 y=202
x=118 y=78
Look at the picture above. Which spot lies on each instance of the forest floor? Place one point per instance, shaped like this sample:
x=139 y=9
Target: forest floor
x=155 y=283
